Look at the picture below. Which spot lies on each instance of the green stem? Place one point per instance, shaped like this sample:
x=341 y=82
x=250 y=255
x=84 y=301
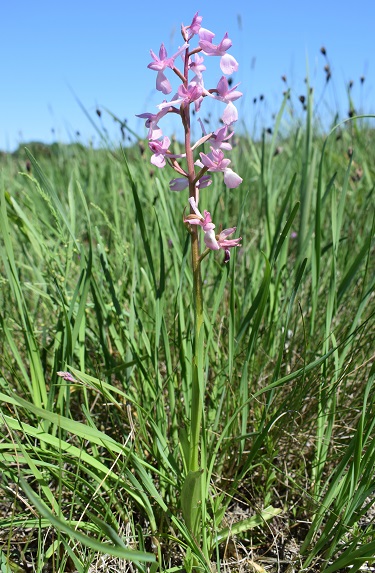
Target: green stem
x=196 y=395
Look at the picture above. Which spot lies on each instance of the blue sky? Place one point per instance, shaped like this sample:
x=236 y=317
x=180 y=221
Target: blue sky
x=52 y=52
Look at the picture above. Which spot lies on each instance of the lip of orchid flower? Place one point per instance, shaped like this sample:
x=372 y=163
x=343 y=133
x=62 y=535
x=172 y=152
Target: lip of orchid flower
x=231 y=179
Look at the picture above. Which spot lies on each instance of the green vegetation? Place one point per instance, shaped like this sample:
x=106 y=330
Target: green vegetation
x=96 y=280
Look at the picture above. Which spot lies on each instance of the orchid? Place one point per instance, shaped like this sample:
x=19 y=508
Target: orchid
x=227 y=95
x=152 y=120
x=192 y=91
x=228 y=63
x=159 y=149
x=220 y=137
x=194 y=26
x=161 y=63
x=197 y=218
x=212 y=241
x=197 y=66
x=215 y=161
x=227 y=244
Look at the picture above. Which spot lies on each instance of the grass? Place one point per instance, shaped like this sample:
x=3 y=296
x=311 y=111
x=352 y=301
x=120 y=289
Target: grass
x=96 y=280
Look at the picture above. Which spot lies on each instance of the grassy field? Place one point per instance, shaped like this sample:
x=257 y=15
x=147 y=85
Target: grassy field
x=96 y=281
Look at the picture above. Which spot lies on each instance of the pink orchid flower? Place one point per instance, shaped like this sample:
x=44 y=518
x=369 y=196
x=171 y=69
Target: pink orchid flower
x=159 y=149
x=194 y=26
x=212 y=241
x=161 y=63
x=228 y=63
x=215 y=161
x=184 y=95
x=228 y=96
x=152 y=119
x=197 y=66
x=198 y=219
x=220 y=137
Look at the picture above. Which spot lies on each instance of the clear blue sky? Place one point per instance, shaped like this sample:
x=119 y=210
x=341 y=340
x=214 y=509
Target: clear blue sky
x=99 y=51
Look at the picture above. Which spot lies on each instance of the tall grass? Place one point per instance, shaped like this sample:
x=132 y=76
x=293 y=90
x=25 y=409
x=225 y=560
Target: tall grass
x=96 y=281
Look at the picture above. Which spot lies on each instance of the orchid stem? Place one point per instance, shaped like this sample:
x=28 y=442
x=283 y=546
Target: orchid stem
x=196 y=408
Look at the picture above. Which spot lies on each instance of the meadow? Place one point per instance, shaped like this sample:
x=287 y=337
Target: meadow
x=97 y=359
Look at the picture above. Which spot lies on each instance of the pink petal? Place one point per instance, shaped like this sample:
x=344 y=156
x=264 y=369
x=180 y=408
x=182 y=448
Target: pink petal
x=158 y=160
x=163 y=84
x=225 y=43
x=231 y=179
x=230 y=114
x=228 y=64
x=210 y=240
x=222 y=86
x=206 y=35
x=178 y=184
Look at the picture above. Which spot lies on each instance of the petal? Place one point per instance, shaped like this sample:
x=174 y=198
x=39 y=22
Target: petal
x=231 y=179
x=210 y=240
x=226 y=233
x=225 y=43
x=230 y=114
x=207 y=161
x=222 y=86
x=163 y=84
x=206 y=35
x=228 y=64
x=204 y=181
x=178 y=184
x=158 y=160
x=162 y=52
